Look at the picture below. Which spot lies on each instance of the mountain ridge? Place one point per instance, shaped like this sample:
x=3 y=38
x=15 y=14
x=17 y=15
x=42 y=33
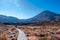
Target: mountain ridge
x=44 y=16
x=8 y=19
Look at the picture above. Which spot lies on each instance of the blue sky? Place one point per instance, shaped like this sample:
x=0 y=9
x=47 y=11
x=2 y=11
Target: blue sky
x=24 y=9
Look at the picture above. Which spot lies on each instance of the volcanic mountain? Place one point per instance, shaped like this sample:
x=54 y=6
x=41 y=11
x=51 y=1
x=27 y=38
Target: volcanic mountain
x=46 y=16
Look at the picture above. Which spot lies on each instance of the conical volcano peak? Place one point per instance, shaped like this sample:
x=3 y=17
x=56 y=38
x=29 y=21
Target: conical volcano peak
x=47 y=12
x=45 y=16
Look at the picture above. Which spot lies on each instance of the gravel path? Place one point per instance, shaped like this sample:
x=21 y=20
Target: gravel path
x=21 y=35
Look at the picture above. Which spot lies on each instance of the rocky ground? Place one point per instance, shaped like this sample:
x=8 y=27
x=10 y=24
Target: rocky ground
x=46 y=32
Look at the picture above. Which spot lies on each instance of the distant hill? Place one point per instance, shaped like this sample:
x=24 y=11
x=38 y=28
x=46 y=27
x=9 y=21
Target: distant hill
x=8 y=19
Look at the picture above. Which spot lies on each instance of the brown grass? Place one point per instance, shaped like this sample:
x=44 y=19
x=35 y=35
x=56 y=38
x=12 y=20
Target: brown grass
x=4 y=36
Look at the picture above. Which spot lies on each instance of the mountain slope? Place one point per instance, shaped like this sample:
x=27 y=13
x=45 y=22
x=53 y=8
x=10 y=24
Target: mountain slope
x=46 y=16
